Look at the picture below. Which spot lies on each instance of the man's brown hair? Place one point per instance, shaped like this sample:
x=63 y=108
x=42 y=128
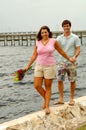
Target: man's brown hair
x=66 y=22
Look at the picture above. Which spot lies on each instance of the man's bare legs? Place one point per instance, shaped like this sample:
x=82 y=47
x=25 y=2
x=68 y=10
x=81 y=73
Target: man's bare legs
x=61 y=91
x=72 y=91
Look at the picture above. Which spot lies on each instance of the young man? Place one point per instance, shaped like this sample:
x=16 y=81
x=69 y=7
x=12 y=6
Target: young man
x=70 y=43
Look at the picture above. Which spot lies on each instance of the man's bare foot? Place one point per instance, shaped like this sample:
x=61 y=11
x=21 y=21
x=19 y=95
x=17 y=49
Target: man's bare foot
x=58 y=101
x=47 y=111
x=72 y=102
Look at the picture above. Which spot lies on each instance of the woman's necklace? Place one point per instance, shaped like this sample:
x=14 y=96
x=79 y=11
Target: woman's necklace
x=45 y=41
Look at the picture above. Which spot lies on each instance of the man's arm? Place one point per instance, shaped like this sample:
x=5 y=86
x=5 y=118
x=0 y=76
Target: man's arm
x=77 y=52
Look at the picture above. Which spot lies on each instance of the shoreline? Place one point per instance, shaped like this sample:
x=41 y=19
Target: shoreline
x=62 y=117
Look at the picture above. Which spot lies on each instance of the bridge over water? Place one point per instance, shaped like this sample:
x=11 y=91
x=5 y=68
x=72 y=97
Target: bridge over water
x=28 y=38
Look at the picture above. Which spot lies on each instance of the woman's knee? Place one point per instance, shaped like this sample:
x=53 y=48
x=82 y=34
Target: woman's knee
x=36 y=85
x=38 y=82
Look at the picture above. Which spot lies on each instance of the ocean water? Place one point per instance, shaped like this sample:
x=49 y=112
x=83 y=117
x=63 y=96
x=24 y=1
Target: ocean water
x=18 y=99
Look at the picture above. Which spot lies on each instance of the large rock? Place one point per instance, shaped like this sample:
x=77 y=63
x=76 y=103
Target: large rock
x=62 y=117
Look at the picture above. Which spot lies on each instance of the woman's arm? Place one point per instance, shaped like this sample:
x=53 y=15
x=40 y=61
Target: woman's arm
x=32 y=59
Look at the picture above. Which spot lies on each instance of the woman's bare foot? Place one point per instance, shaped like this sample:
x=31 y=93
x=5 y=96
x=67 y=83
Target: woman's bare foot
x=47 y=111
x=44 y=106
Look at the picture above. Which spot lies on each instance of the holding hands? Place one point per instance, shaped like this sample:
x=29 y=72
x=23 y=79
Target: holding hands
x=73 y=59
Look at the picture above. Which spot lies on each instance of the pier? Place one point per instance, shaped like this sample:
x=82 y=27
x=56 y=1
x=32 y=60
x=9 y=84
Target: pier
x=29 y=38
x=17 y=39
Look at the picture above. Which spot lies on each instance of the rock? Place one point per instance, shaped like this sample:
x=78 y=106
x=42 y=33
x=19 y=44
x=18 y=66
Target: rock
x=64 y=117
x=82 y=104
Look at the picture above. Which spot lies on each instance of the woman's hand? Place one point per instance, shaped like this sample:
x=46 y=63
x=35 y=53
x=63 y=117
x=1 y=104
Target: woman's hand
x=27 y=68
x=72 y=59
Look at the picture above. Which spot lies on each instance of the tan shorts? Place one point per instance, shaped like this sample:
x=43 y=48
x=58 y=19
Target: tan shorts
x=48 y=72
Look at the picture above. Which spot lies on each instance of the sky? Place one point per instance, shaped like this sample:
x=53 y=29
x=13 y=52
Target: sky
x=30 y=15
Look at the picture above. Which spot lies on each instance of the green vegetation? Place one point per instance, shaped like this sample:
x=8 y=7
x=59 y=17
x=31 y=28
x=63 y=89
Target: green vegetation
x=82 y=128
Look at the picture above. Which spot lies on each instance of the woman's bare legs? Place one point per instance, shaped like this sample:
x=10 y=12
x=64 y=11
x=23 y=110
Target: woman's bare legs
x=45 y=93
x=48 y=84
x=38 y=86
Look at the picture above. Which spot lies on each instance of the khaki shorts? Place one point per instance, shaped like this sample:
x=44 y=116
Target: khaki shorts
x=48 y=72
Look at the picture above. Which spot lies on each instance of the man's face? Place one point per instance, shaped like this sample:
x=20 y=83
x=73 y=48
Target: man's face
x=66 y=28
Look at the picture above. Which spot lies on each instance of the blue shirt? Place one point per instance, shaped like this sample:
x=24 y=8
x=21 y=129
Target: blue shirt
x=69 y=45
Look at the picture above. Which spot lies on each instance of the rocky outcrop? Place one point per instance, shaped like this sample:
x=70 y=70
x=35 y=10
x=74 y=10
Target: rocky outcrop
x=62 y=117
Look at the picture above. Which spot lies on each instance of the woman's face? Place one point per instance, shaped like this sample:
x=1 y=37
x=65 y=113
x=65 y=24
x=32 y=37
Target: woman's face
x=44 y=33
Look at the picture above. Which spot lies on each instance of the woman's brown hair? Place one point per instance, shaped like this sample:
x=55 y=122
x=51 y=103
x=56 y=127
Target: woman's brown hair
x=39 y=37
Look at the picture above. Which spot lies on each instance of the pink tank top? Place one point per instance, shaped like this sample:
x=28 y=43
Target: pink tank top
x=46 y=52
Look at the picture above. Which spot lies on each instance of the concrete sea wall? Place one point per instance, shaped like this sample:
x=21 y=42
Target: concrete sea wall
x=62 y=117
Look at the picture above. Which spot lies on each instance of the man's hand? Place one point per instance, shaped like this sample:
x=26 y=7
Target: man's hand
x=73 y=59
